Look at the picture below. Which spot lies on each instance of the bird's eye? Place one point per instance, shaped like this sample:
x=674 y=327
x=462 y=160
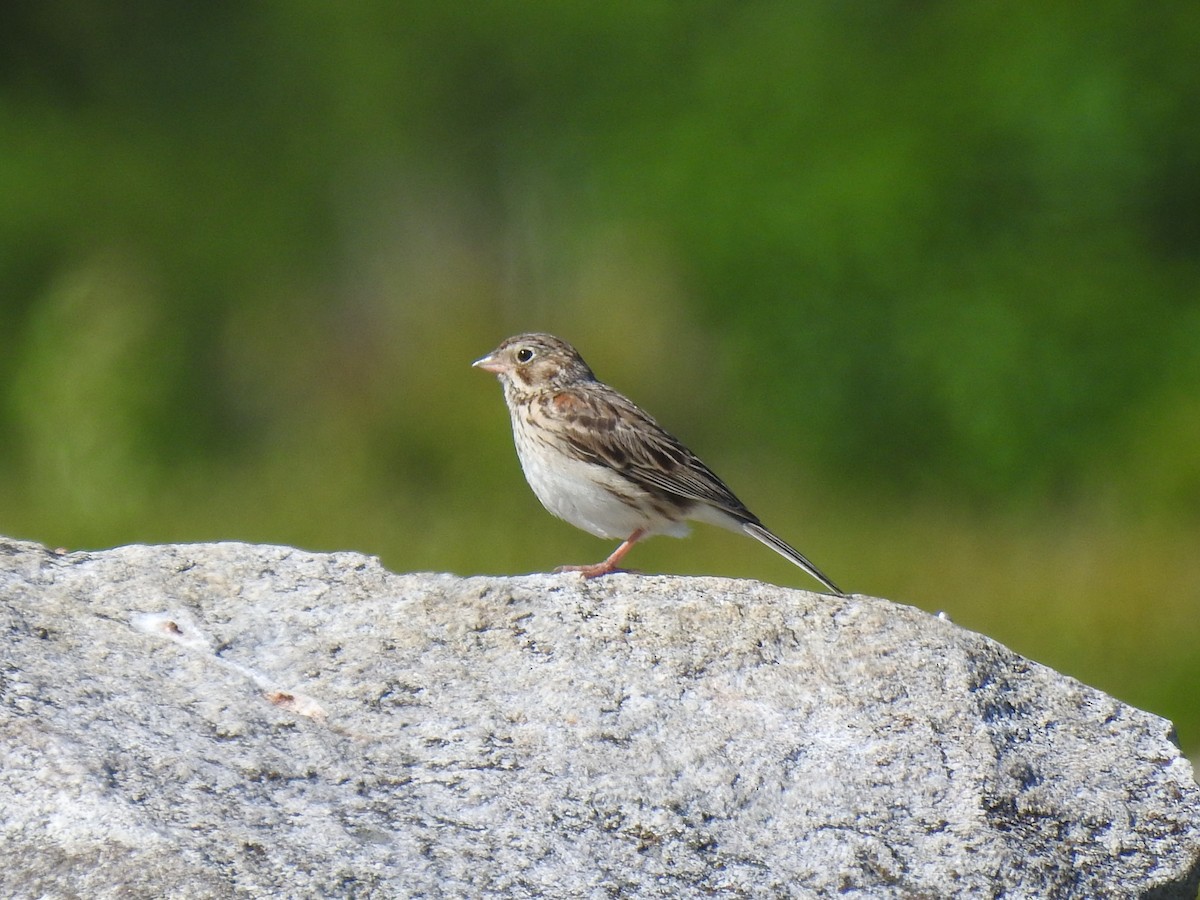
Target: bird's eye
x=524 y=355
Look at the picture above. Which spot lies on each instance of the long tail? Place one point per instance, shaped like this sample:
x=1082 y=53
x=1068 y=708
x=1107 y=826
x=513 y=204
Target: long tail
x=789 y=552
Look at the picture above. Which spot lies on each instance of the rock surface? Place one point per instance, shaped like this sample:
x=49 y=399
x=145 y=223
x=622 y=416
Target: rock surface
x=229 y=720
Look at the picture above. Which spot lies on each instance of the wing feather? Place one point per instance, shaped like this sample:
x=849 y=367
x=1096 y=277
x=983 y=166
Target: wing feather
x=602 y=426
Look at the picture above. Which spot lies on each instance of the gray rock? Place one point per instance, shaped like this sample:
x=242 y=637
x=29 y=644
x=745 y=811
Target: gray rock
x=229 y=720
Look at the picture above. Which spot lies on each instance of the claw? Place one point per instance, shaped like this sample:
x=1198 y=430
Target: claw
x=609 y=565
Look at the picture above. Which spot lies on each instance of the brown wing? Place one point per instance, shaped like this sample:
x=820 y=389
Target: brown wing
x=601 y=426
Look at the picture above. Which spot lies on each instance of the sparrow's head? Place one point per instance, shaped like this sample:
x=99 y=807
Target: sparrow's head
x=530 y=362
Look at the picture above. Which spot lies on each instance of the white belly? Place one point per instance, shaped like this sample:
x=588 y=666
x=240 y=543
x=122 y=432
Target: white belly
x=575 y=491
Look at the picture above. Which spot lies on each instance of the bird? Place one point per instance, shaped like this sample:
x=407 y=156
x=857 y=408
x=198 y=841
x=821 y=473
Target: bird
x=595 y=459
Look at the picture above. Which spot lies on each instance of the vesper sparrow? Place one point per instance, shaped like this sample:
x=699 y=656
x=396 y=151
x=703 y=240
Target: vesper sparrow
x=599 y=462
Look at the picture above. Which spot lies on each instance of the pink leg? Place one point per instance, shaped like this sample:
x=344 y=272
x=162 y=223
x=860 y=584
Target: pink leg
x=610 y=564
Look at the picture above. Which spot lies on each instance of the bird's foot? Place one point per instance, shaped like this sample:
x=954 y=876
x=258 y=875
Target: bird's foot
x=595 y=570
x=609 y=565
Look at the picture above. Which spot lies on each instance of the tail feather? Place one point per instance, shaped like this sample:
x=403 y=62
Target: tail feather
x=789 y=552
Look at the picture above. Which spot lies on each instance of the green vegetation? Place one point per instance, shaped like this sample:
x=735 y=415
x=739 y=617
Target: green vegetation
x=921 y=282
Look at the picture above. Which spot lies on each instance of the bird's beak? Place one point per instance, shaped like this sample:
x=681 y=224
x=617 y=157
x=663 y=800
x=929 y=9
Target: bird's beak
x=489 y=364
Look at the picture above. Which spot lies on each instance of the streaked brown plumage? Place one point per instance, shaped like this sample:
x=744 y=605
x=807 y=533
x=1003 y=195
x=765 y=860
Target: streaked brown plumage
x=598 y=461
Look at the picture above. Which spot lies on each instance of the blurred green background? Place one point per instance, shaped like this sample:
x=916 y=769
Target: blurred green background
x=920 y=281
